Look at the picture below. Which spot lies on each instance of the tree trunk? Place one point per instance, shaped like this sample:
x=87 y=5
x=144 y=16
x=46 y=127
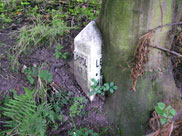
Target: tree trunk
x=122 y=23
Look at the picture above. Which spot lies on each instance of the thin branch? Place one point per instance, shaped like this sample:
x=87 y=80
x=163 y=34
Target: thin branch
x=171 y=130
x=166 y=50
x=160 y=26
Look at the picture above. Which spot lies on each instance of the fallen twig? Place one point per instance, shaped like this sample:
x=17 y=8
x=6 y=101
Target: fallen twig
x=171 y=130
x=160 y=26
x=166 y=50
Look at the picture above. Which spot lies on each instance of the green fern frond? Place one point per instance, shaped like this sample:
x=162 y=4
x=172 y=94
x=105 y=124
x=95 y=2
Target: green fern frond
x=23 y=115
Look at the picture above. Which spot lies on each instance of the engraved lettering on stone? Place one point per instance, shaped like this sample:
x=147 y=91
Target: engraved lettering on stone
x=88 y=57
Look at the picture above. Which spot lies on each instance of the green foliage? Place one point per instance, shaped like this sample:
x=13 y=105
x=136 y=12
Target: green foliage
x=76 y=110
x=45 y=75
x=35 y=36
x=25 y=3
x=5 y=18
x=83 y=132
x=1 y=6
x=164 y=112
x=83 y=12
x=58 y=53
x=46 y=111
x=84 y=9
x=97 y=89
x=19 y=109
x=25 y=117
x=110 y=130
x=31 y=74
x=59 y=100
x=77 y=107
x=11 y=8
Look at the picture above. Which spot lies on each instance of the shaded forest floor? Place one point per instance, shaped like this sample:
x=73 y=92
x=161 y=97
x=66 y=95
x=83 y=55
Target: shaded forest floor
x=36 y=54
x=37 y=37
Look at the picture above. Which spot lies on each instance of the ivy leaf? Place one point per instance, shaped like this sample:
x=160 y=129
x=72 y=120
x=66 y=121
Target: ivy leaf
x=98 y=90
x=163 y=121
x=173 y=112
x=161 y=105
x=115 y=87
x=168 y=108
x=165 y=115
x=158 y=110
x=106 y=86
x=111 y=84
x=111 y=90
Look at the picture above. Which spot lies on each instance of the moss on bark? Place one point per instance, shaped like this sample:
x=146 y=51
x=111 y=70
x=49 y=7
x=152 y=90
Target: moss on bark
x=122 y=22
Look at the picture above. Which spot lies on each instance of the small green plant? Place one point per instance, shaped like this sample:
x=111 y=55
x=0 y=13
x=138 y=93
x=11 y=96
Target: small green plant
x=76 y=110
x=97 y=89
x=58 y=53
x=59 y=100
x=45 y=75
x=164 y=112
x=83 y=132
x=25 y=117
x=31 y=73
x=77 y=107
x=33 y=12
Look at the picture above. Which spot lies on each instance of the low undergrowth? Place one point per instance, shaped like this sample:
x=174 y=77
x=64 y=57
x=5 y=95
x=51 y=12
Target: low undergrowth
x=35 y=36
x=44 y=108
x=27 y=117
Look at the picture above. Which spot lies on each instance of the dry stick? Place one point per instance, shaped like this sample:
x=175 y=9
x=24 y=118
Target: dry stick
x=171 y=130
x=167 y=50
x=157 y=132
x=154 y=29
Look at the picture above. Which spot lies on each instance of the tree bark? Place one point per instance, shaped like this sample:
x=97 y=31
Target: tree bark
x=122 y=23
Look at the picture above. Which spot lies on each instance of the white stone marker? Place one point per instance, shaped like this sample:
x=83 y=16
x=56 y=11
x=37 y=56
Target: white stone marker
x=88 y=57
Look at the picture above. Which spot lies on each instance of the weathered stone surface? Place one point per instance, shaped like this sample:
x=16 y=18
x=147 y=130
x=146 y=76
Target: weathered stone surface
x=88 y=56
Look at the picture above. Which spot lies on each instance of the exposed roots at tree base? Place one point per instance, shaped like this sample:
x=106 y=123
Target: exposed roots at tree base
x=172 y=128
x=140 y=59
